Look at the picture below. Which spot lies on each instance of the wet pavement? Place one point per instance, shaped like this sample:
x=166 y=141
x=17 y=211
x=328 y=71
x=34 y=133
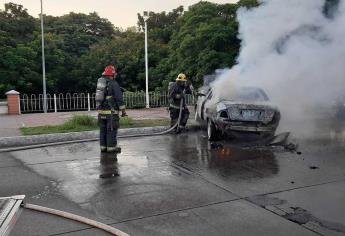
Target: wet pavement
x=182 y=185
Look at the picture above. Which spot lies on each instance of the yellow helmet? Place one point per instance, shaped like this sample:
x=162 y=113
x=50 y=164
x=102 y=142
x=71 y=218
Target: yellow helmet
x=181 y=77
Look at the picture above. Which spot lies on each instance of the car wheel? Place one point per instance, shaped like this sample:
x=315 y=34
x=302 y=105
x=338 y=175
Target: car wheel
x=212 y=133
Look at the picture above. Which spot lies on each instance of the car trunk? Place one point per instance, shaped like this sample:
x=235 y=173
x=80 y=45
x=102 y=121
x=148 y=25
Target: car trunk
x=250 y=113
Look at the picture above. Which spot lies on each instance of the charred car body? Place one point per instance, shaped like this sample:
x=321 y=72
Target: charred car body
x=247 y=112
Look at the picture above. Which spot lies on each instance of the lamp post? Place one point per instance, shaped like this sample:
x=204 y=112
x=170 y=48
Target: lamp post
x=146 y=16
x=43 y=64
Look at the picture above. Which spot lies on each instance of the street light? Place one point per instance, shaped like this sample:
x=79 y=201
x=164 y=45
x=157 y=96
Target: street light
x=43 y=64
x=146 y=16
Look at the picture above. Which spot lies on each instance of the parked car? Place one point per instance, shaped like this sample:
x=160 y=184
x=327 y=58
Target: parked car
x=247 y=112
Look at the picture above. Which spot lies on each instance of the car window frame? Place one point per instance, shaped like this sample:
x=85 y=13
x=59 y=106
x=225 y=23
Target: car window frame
x=209 y=95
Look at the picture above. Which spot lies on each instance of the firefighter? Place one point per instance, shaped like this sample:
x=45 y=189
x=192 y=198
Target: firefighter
x=177 y=93
x=109 y=101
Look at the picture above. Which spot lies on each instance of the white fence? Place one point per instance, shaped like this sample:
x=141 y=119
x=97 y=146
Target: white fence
x=86 y=101
x=3 y=107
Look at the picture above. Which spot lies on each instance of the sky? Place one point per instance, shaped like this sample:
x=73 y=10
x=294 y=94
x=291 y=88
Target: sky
x=122 y=13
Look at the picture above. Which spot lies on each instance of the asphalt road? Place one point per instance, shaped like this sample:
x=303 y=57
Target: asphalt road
x=182 y=185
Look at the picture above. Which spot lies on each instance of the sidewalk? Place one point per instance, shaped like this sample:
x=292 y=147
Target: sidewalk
x=9 y=125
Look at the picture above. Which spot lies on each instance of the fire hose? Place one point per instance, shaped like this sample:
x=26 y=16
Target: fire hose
x=74 y=217
x=81 y=219
x=87 y=221
x=176 y=125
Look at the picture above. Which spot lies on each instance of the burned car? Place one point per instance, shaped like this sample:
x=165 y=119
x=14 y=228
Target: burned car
x=249 y=111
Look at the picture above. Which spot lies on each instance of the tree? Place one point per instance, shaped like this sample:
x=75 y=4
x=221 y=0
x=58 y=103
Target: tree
x=126 y=52
x=79 y=31
x=16 y=23
x=67 y=38
x=17 y=64
x=205 y=39
x=121 y=51
x=79 y=46
x=160 y=25
x=248 y=3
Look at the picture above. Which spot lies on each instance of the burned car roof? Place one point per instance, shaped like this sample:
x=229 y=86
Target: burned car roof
x=245 y=94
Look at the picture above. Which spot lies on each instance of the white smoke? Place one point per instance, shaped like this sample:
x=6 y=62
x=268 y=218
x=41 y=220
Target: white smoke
x=294 y=52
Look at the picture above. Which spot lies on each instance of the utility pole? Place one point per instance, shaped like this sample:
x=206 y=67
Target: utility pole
x=146 y=16
x=43 y=64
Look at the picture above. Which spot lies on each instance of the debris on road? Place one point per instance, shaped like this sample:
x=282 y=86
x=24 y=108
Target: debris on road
x=216 y=145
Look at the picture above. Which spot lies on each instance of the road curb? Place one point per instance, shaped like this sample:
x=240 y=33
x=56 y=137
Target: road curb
x=18 y=141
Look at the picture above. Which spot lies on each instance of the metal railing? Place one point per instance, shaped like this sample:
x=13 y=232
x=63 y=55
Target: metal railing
x=86 y=101
x=3 y=106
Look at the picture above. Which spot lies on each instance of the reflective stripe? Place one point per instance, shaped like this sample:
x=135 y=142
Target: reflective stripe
x=122 y=107
x=108 y=97
x=107 y=112
x=113 y=149
x=103 y=148
x=173 y=106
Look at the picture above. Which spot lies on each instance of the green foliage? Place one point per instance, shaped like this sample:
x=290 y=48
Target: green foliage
x=125 y=51
x=16 y=25
x=206 y=39
x=248 y=3
x=79 y=46
x=160 y=25
x=67 y=38
x=17 y=67
x=79 y=31
x=76 y=124
x=80 y=123
x=82 y=120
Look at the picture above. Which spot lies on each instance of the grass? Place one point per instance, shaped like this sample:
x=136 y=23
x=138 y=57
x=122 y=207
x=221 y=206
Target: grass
x=80 y=123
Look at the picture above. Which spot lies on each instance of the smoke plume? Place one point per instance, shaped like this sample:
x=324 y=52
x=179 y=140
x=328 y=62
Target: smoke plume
x=295 y=51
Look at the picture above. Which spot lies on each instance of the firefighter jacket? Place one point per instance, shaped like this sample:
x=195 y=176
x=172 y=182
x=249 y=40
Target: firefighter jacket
x=176 y=93
x=113 y=99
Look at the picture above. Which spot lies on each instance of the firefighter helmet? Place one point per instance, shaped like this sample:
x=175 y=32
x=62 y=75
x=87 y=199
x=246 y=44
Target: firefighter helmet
x=181 y=77
x=109 y=71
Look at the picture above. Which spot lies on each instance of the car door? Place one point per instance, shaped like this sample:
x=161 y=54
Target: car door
x=206 y=105
x=201 y=100
x=202 y=93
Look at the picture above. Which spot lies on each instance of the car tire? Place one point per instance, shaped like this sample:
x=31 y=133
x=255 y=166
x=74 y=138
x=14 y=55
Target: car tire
x=212 y=133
